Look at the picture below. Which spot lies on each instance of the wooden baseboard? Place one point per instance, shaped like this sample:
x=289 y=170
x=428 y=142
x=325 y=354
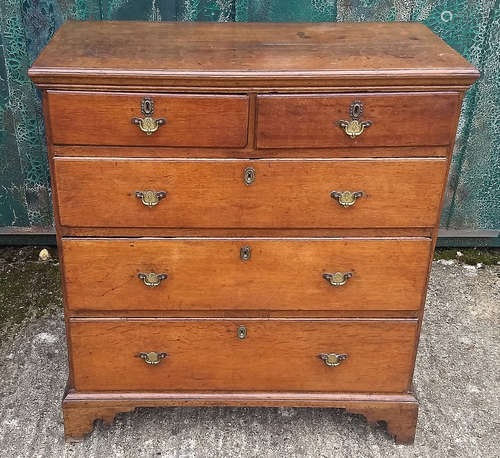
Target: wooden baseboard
x=398 y=411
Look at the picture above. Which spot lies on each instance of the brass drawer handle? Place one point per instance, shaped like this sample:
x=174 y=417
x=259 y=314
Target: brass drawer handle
x=147 y=124
x=346 y=198
x=355 y=126
x=150 y=198
x=332 y=359
x=152 y=357
x=152 y=279
x=338 y=278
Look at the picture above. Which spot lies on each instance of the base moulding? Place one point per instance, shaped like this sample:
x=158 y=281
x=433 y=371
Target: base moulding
x=398 y=411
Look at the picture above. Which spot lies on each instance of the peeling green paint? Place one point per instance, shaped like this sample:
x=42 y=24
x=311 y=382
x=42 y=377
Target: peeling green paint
x=471 y=27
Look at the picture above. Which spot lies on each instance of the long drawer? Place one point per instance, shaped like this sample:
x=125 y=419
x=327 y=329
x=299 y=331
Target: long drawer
x=245 y=274
x=264 y=355
x=186 y=120
x=336 y=193
x=402 y=119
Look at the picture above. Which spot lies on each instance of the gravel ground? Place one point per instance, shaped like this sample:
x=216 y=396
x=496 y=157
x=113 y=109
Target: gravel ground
x=456 y=381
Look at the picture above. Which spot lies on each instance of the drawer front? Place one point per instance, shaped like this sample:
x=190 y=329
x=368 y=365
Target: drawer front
x=275 y=355
x=87 y=118
x=284 y=193
x=300 y=121
x=219 y=274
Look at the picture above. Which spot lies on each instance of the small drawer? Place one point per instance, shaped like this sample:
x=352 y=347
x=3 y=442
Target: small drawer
x=175 y=120
x=326 y=121
x=337 y=193
x=245 y=274
x=285 y=355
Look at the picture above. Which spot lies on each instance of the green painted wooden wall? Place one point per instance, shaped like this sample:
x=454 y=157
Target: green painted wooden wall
x=469 y=26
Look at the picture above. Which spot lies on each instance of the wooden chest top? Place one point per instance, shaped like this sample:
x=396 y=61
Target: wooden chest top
x=340 y=54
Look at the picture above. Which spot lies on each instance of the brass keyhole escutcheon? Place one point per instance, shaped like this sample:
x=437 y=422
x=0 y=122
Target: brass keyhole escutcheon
x=356 y=110
x=249 y=176
x=245 y=253
x=147 y=106
x=242 y=332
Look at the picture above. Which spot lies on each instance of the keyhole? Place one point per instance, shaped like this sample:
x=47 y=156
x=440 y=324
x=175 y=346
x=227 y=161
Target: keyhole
x=356 y=110
x=249 y=175
x=147 y=106
x=245 y=253
x=242 y=332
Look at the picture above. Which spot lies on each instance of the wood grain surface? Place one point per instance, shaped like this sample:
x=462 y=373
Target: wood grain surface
x=406 y=119
x=68 y=231
x=281 y=274
x=87 y=118
x=215 y=54
x=275 y=355
x=286 y=193
x=398 y=411
x=249 y=151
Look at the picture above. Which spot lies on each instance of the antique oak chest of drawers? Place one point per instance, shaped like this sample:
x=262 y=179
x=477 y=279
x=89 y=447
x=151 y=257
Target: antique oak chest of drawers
x=246 y=213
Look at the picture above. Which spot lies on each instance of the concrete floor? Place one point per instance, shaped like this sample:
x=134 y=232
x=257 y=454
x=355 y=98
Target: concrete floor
x=456 y=379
